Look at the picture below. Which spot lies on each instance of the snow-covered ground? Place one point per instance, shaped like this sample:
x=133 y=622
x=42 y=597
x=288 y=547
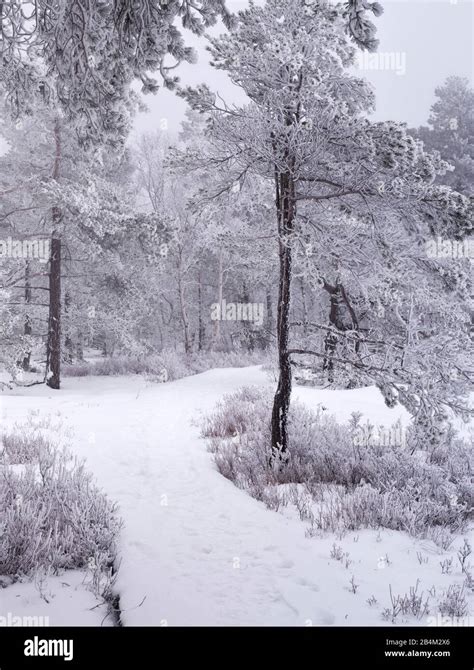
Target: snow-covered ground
x=195 y=550
x=63 y=600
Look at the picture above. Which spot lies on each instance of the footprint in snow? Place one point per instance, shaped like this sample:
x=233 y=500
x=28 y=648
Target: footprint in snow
x=308 y=584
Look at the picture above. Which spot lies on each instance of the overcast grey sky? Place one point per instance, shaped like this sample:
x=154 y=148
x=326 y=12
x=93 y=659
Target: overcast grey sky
x=428 y=39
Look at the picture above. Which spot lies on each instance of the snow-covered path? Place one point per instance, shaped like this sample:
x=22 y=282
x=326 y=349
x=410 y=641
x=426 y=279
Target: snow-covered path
x=196 y=550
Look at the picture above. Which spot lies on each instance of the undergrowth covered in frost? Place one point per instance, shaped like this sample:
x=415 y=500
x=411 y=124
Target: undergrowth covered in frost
x=52 y=516
x=169 y=365
x=336 y=483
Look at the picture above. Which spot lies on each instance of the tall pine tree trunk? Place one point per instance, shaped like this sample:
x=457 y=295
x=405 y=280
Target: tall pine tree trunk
x=53 y=355
x=281 y=404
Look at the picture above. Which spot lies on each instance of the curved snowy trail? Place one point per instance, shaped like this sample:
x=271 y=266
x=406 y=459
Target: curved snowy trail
x=195 y=550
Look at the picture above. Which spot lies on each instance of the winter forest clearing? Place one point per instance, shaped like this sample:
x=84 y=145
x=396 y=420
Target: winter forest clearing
x=236 y=356
x=188 y=554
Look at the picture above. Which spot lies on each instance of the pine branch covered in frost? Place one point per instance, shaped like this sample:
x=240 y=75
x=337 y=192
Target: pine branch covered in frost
x=87 y=54
x=360 y=28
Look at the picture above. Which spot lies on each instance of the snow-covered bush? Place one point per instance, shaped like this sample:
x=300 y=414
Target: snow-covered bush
x=20 y=448
x=454 y=603
x=397 y=509
x=231 y=416
x=350 y=485
x=115 y=366
x=52 y=516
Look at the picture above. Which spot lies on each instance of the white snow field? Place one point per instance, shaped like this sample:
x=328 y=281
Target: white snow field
x=195 y=550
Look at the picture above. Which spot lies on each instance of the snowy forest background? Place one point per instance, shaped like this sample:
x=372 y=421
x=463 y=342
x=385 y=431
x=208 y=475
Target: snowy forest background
x=278 y=295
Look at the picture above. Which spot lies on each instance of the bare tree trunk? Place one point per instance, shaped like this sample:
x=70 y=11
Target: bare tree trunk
x=331 y=339
x=286 y=215
x=53 y=358
x=201 y=330
x=269 y=318
x=68 y=345
x=53 y=355
x=220 y=295
x=246 y=335
x=338 y=296
x=182 y=304
x=80 y=347
x=27 y=327
x=304 y=306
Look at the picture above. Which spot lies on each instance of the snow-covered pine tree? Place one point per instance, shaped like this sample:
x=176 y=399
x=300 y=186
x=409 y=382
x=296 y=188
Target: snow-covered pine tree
x=109 y=246
x=450 y=131
x=306 y=130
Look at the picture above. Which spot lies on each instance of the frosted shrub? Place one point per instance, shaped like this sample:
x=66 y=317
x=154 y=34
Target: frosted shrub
x=115 y=366
x=454 y=603
x=176 y=364
x=398 y=509
x=52 y=516
x=411 y=604
x=351 y=485
x=232 y=416
x=239 y=453
x=19 y=448
x=24 y=443
x=180 y=365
